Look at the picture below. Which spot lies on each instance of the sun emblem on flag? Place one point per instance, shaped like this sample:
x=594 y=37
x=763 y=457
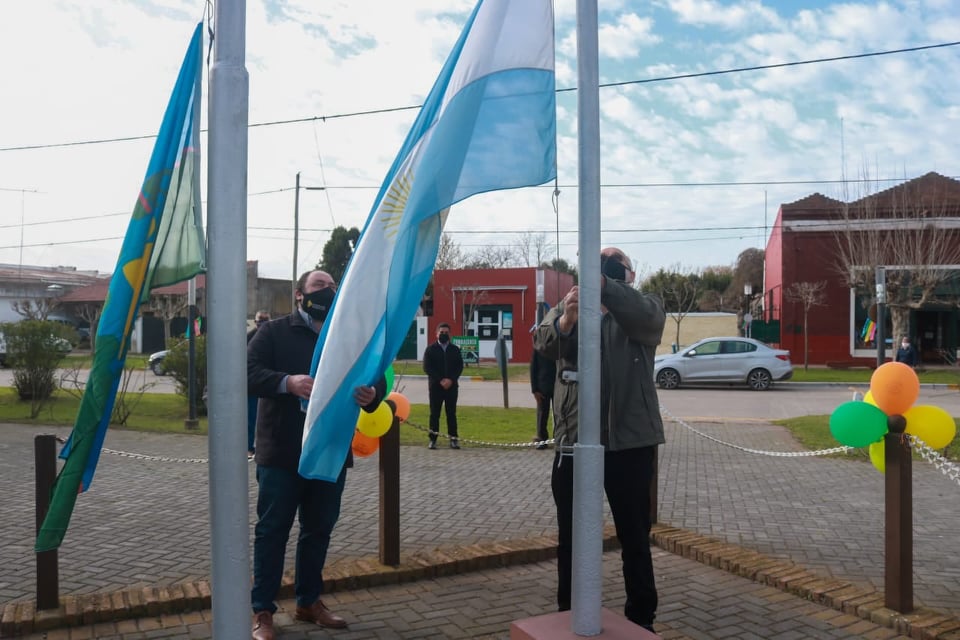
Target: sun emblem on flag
x=395 y=203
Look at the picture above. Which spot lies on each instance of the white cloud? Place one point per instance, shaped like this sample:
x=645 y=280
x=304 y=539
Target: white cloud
x=103 y=69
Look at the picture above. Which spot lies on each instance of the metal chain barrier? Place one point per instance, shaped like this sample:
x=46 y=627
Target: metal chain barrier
x=482 y=443
x=143 y=456
x=780 y=454
x=945 y=467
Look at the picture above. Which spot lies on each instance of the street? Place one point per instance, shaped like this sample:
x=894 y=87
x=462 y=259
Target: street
x=784 y=400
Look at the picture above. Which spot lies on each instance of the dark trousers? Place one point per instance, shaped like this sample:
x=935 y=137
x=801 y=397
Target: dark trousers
x=626 y=480
x=282 y=495
x=446 y=398
x=251 y=421
x=543 y=413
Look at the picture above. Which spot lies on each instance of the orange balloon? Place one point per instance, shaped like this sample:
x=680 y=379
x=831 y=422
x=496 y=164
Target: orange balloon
x=363 y=446
x=895 y=387
x=402 y=404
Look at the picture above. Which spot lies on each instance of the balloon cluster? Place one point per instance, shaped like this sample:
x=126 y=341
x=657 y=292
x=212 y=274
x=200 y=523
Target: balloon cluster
x=888 y=406
x=371 y=426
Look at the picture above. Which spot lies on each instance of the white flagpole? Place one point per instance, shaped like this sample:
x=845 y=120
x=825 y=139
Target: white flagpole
x=588 y=452
x=226 y=341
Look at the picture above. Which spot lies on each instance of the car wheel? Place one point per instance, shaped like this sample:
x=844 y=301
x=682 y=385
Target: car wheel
x=157 y=367
x=759 y=380
x=668 y=379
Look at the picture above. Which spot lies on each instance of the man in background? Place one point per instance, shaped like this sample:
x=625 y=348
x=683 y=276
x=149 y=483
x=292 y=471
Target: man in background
x=443 y=364
x=259 y=318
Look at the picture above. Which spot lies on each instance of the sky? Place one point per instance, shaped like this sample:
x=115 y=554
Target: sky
x=693 y=170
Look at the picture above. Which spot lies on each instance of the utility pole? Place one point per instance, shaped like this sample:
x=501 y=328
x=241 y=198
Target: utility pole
x=296 y=243
x=191 y=422
x=881 y=277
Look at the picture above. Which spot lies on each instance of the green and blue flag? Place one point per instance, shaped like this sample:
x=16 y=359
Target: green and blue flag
x=164 y=244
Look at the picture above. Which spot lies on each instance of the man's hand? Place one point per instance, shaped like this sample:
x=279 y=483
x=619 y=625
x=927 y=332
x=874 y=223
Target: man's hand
x=364 y=395
x=446 y=383
x=571 y=310
x=300 y=386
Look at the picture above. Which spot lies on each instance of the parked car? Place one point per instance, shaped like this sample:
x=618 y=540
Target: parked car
x=731 y=360
x=60 y=344
x=155 y=362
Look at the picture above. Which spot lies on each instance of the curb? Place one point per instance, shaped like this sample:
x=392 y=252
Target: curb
x=863 y=601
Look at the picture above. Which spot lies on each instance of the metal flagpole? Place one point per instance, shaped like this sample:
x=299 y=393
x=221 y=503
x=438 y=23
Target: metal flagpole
x=227 y=298
x=588 y=452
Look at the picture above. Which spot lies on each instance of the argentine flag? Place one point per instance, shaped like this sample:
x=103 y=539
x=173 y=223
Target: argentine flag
x=489 y=123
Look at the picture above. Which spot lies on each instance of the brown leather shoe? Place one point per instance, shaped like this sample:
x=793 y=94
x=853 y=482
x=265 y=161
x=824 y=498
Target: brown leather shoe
x=318 y=613
x=263 y=626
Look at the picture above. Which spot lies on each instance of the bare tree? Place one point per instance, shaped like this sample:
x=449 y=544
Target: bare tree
x=35 y=309
x=450 y=255
x=679 y=291
x=808 y=294
x=534 y=249
x=472 y=297
x=907 y=230
x=90 y=312
x=493 y=257
x=168 y=307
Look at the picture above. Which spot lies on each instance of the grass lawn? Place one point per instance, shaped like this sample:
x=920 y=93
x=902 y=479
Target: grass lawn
x=161 y=412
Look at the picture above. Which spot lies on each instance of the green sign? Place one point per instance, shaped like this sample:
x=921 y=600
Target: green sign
x=469 y=345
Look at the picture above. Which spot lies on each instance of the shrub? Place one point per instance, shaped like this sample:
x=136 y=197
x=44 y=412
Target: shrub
x=34 y=350
x=176 y=365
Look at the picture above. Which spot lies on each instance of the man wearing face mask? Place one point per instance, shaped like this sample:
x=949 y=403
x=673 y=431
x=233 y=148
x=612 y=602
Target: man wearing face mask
x=278 y=366
x=630 y=426
x=443 y=364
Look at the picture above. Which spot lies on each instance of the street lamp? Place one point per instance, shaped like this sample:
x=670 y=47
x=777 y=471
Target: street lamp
x=747 y=316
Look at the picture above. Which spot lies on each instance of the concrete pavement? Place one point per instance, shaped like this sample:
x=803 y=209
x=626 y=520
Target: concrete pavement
x=814 y=521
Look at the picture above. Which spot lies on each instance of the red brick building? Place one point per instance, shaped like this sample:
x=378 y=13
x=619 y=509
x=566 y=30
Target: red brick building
x=487 y=303
x=804 y=247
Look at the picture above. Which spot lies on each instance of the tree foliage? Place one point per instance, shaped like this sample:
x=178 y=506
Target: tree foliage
x=679 y=291
x=337 y=251
x=35 y=349
x=177 y=365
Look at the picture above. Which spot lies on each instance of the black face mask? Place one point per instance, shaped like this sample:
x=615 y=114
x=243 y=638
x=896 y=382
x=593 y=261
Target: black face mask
x=317 y=304
x=443 y=338
x=611 y=267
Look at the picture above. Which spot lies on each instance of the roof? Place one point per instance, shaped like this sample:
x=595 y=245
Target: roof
x=97 y=292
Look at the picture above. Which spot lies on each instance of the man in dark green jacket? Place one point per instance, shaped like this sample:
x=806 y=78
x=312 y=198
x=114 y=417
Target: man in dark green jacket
x=631 y=428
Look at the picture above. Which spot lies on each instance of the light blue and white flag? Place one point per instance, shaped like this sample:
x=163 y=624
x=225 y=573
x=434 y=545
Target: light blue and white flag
x=489 y=123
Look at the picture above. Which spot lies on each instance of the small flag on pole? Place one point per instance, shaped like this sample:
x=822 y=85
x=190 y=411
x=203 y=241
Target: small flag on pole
x=489 y=123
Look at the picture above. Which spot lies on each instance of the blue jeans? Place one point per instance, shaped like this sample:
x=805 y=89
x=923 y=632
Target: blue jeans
x=282 y=494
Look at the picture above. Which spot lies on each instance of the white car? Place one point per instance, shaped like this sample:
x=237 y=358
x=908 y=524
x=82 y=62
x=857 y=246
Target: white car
x=731 y=360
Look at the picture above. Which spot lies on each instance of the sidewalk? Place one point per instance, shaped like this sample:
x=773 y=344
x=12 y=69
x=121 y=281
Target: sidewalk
x=809 y=531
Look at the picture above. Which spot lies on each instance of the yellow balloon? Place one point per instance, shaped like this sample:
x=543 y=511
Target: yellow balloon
x=868 y=398
x=931 y=424
x=377 y=423
x=877 y=455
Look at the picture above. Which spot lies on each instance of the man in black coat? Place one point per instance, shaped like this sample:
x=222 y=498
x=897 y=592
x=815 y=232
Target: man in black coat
x=278 y=366
x=543 y=372
x=443 y=364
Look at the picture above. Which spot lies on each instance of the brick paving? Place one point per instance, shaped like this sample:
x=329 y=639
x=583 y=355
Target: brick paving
x=698 y=602
x=144 y=524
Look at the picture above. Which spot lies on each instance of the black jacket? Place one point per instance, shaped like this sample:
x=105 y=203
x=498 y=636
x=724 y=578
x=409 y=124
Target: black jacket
x=439 y=364
x=543 y=372
x=279 y=348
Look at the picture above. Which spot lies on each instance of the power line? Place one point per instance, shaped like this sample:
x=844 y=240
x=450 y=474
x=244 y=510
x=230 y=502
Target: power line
x=606 y=85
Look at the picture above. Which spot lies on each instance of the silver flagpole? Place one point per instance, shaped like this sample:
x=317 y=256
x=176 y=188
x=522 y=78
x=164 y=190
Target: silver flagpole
x=588 y=452
x=226 y=341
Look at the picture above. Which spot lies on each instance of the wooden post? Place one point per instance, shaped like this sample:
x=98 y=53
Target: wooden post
x=48 y=576
x=390 y=496
x=898 y=530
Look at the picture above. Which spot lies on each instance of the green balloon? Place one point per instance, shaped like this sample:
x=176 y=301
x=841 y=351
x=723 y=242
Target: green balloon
x=389 y=376
x=858 y=424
